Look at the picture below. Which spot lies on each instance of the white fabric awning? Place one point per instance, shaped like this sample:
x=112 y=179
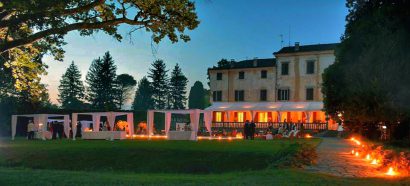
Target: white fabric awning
x=266 y=106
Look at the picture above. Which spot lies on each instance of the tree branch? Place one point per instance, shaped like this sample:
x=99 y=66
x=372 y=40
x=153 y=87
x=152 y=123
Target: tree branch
x=63 y=30
x=25 y=17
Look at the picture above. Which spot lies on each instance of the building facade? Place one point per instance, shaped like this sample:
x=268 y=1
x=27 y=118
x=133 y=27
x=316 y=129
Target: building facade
x=286 y=88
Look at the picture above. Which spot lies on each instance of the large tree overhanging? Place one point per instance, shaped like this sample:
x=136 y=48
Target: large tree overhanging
x=50 y=20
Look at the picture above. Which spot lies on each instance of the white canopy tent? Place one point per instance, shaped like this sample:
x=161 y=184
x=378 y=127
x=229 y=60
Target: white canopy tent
x=194 y=115
x=266 y=106
x=96 y=116
x=279 y=107
x=40 y=122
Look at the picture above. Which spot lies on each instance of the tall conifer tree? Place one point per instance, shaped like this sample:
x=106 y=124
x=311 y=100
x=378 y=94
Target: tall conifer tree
x=102 y=92
x=71 y=88
x=143 y=96
x=177 y=93
x=159 y=80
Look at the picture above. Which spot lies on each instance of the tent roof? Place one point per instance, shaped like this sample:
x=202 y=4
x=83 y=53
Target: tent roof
x=176 y=111
x=35 y=115
x=266 y=106
x=102 y=113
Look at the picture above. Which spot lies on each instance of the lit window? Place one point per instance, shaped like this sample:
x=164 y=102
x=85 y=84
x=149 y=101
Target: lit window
x=240 y=116
x=218 y=116
x=263 y=117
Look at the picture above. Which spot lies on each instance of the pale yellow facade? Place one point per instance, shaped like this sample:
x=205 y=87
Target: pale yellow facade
x=252 y=83
x=298 y=80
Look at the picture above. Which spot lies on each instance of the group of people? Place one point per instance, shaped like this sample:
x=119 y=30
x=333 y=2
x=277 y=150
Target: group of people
x=249 y=130
x=56 y=128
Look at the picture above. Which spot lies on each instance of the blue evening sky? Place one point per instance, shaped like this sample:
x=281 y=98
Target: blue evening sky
x=231 y=29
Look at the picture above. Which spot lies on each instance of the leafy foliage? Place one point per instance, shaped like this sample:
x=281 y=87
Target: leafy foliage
x=31 y=29
x=126 y=84
x=71 y=88
x=369 y=81
x=102 y=92
x=143 y=96
x=177 y=92
x=197 y=96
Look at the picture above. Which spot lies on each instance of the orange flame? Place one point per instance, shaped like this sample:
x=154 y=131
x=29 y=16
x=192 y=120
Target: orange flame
x=356 y=154
x=374 y=162
x=353 y=151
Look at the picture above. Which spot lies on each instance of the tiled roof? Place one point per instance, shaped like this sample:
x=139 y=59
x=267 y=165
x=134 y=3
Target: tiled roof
x=308 y=48
x=252 y=63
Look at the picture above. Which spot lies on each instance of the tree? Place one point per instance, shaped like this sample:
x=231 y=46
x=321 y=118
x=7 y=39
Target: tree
x=143 y=96
x=102 y=92
x=31 y=29
x=51 y=20
x=197 y=96
x=71 y=88
x=126 y=84
x=159 y=82
x=368 y=83
x=177 y=91
x=224 y=63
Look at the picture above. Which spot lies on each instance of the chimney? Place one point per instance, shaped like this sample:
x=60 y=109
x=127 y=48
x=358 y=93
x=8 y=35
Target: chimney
x=296 y=46
x=255 y=62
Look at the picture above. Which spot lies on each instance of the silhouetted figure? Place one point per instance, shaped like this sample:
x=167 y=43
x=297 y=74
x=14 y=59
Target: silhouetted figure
x=55 y=129
x=79 y=130
x=252 y=130
x=246 y=131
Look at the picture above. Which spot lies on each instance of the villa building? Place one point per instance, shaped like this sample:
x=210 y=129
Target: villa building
x=286 y=88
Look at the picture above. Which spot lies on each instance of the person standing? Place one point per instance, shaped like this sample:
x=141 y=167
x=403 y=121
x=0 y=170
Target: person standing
x=79 y=129
x=30 y=130
x=246 y=129
x=340 y=130
x=252 y=130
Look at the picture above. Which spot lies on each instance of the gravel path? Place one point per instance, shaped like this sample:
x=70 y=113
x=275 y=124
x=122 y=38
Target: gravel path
x=335 y=159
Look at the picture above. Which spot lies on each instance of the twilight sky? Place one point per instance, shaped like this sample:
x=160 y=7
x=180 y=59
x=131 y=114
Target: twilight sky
x=231 y=29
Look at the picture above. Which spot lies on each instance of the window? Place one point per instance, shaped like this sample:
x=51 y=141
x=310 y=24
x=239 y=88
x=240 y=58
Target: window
x=309 y=94
x=263 y=95
x=240 y=117
x=241 y=75
x=239 y=95
x=285 y=68
x=263 y=117
x=264 y=74
x=217 y=96
x=219 y=76
x=310 y=67
x=218 y=116
x=283 y=94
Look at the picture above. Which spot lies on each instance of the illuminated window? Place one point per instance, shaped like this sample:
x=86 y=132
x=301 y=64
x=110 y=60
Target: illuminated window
x=240 y=116
x=218 y=116
x=263 y=117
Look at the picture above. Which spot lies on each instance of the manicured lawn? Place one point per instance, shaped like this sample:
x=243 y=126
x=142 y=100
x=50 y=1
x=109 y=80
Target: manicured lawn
x=160 y=163
x=148 y=156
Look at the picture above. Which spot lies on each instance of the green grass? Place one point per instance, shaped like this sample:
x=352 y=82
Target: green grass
x=148 y=156
x=205 y=162
x=13 y=176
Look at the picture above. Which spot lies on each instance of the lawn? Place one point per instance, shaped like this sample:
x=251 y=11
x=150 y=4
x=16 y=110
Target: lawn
x=160 y=163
